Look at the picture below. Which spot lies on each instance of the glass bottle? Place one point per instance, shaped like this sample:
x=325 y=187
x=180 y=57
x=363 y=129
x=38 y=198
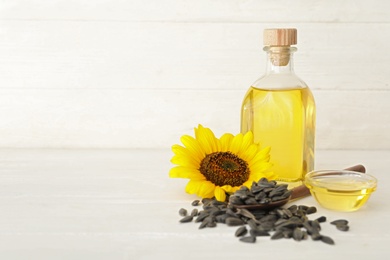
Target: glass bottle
x=279 y=109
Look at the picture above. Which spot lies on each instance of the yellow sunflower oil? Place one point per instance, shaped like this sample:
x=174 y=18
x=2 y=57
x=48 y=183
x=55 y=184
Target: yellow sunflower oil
x=345 y=193
x=279 y=109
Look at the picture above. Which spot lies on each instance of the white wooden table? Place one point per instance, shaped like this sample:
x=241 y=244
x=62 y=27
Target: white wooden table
x=120 y=204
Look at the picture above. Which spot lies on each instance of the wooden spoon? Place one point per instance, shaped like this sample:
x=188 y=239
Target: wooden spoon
x=297 y=193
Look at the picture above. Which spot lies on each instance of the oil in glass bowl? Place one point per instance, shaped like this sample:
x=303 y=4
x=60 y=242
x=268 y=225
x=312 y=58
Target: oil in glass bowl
x=340 y=190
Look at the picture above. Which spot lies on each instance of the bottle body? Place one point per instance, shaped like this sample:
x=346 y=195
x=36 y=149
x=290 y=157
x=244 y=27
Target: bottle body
x=283 y=119
x=279 y=109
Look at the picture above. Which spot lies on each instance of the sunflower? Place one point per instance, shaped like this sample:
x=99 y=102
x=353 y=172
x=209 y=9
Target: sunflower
x=219 y=166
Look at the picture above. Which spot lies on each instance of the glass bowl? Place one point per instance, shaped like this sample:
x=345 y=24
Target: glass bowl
x=340 y=190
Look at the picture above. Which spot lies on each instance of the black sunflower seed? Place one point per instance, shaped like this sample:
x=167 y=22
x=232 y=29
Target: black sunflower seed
x=235 y=200
x=194 y=212
x=339 y=222
x=342 y=227
x=297 y=234
x=232 y=221
x=277 y=235
x=311 y=210
x=202 y=215
x=241 y=231
x=249 y=239
x=195 y=203
x=251 y=201
x=321 y=219
x=258 y=233
x=221 y=218
x=327 y=240
x=186 y=219
x=182 y=212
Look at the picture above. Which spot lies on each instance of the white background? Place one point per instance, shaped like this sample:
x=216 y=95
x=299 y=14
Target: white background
x=139 y=74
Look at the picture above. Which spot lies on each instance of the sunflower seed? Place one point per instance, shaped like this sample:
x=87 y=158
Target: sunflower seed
x=241 y=231
x=202 y=215
x=221 y=218
x=293 y=208
x=231 y=213
x=327 y=240
x=268 y=190
x=252 y=224
x=303 y=207
x=265 y=201
x=315 y=225
x=260 y=196
x=217 y=212
x=277 y=235
x=235 y=200
x=182 y=212
x=311 y=210
x=251 y=201
x=258 y=233
x=266 y=226
x=256 y=189
x=249 y=239
x=246 y=213
x=321 y=219
x=339 y=222
x=186 y=219
x=288 y=233
x=316 y=236
x=206 y=200
x=297 y=234
x=275 y=193
x=203 y=224
x=342 y=227
x=211 y=224
x=244 y=188
x=194 y=212
x=232 y=221
x=277 y=198
x=286 y=194
x=195 y=203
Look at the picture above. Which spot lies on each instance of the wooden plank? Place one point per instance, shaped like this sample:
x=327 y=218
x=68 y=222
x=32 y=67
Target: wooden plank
x=78 y=54
x=123 y=118
x=332 y=11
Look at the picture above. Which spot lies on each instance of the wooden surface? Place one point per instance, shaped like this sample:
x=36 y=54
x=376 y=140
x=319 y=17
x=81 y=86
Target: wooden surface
x=139 y=74
x=120 y=204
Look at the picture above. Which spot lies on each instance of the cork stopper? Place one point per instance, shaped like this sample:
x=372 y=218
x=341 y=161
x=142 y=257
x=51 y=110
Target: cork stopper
x=279 y=41
x=280 y=37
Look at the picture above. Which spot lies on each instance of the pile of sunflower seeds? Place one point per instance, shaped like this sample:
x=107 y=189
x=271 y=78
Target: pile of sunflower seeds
x=278 y=223
x=261 y=192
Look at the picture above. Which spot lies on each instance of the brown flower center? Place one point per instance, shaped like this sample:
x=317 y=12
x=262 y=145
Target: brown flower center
x=224 y=168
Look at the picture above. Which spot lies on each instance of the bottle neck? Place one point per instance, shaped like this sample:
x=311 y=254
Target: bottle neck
x=280 y=59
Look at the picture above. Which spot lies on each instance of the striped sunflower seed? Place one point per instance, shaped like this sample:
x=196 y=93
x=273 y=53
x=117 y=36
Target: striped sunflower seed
x=182 y=212
x=241 y=231
x=249 y=239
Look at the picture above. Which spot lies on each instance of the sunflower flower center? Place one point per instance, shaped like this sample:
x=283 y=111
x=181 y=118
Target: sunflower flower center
x=224 y=168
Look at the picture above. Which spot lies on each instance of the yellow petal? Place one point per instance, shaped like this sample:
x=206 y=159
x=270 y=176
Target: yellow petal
x=193 y=186
x=206 y=139
x=247 y=140
x=184 y=172
x=260 y=167
x=219 y=193
x=250 y=153
x=262 y=155
x=193 y=146
x=236 y=144
x=226 y=140
x=184 y=152
x=228 y=188
x=206 y=190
